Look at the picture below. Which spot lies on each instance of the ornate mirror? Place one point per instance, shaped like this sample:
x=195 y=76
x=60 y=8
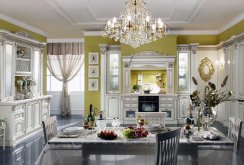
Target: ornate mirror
x=206 y=69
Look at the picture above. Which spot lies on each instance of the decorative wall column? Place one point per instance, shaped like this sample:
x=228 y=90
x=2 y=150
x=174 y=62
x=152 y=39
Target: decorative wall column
x=103 y=52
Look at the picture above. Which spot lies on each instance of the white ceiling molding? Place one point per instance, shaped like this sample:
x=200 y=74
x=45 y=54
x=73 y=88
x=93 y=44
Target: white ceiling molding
x=23 y=25
x=234 y=21
x=193 y=32
x=54 y=4
x=194 y=12
x=62 y=40
x=172 y=11
x=90 y=8
x=92 y=33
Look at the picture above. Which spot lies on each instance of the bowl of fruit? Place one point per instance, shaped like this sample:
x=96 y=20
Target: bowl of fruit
x=135 y=133
x=107 y=135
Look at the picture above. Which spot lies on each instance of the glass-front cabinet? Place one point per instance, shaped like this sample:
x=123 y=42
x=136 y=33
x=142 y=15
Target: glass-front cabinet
x=23 y=61
x=183 y=72
x=21 y=67
x=113 y=72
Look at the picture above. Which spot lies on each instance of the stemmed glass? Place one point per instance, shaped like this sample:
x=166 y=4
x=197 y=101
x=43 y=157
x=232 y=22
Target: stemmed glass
x=115 y=123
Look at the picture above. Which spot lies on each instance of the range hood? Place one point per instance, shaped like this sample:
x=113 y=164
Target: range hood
x=148 y=60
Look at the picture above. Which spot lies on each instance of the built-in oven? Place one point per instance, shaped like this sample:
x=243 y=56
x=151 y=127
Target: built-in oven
x=148 y=103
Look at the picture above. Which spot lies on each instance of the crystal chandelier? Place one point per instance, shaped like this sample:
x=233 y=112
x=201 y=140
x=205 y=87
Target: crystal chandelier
x=135 y=25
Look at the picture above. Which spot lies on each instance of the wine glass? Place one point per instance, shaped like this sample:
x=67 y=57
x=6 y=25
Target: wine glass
x=114 y=123
x=117 y=123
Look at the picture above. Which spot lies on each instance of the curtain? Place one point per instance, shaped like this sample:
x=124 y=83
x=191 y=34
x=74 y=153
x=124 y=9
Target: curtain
x=64 y=60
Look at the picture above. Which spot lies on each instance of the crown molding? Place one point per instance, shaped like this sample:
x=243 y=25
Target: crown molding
x=22 y=24
x=193 y=32
x=63 y=40
x=92 y=33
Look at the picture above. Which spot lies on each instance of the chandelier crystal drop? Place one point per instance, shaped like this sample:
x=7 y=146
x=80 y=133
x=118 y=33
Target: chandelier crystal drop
x=135 y=26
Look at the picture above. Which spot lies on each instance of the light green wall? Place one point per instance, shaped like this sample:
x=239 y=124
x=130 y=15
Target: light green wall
x=234 y=30
x=14 y=28
x=91 y=44
x=201 y=39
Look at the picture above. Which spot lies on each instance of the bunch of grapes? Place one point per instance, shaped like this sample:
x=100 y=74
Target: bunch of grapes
x=134 y=133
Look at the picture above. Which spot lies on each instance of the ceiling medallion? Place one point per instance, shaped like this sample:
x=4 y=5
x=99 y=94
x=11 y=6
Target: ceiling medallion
x=135 y=26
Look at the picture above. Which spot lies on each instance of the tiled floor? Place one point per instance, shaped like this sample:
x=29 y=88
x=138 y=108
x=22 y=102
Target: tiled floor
x=29 y=151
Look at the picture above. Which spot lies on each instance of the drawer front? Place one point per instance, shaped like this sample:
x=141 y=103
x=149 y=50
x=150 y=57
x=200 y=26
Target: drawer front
x=130 y=113
x=19 y=154
x=167 y=99
x=167 y=105
x=132 y=99
x=169 y=111
x=131 y=105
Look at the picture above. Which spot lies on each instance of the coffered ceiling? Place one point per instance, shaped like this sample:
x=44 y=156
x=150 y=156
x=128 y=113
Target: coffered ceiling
x=70 y=18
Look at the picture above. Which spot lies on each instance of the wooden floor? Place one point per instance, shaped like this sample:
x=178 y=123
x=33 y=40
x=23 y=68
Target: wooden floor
x=28 y=151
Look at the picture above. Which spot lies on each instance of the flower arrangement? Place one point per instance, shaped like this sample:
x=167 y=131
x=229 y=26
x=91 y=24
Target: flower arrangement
x=212 y=96
x=25 y=81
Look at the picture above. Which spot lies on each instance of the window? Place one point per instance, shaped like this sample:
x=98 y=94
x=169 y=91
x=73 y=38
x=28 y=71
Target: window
x=76 y=84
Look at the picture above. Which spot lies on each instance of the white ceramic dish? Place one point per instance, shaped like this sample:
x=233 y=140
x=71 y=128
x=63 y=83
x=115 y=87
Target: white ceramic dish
x=73 y=129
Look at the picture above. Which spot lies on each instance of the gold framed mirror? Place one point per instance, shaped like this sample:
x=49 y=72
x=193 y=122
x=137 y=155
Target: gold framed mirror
x=206 y=69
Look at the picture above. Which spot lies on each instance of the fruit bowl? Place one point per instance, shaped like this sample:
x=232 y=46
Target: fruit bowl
x=107 y=135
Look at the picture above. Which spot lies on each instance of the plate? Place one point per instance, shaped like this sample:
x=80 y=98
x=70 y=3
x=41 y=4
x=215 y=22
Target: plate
x=73 y=129
x=216 y=138
x=211 y=136
x=111 y=137
x=107 y=135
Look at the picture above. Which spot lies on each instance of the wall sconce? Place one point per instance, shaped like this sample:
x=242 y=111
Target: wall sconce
x=221 y=64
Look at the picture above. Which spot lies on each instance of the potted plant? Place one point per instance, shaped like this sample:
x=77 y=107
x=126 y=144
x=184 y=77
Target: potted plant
x=136 y=88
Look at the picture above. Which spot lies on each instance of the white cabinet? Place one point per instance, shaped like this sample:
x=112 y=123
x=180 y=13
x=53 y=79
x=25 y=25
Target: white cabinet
x=113 y=72
x=167 y=103
x=22 y=105
x=23 y=117
x=183 y=106
x=130 y=107
x=112 y=107
x=20 y=58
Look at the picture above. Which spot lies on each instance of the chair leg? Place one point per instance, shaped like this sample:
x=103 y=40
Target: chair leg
x=3 y=139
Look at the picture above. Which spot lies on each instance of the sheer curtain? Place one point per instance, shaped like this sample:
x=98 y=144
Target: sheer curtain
x=64 y=60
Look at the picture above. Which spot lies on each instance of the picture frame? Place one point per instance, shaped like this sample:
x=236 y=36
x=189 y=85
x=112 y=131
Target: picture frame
x=93 y=71
x=93 y=57
x=93 y=84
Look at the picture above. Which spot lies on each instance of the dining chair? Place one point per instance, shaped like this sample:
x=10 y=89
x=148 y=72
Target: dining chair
x=49 y=128
x=153 y=117
x=234 y=131
x=167 y=147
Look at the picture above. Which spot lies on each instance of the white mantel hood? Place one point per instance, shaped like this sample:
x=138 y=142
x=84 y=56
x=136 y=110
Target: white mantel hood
x=148 y=61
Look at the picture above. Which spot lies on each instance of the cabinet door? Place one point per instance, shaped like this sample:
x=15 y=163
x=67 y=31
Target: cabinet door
x=29 y=118
x=19 y=117
x=183 y=72
x=37 y=72
x=23 y=61
x=112 y=106
x=8 y=71
x=183 y=106
x=113 y=72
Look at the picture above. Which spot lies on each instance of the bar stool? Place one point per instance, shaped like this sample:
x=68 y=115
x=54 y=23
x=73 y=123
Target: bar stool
x=2 y=131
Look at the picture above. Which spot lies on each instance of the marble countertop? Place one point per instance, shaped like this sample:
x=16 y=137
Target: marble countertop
x=94 y=139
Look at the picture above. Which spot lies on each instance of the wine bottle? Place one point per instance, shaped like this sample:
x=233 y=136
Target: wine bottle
x=189 y=118
x=91 y=118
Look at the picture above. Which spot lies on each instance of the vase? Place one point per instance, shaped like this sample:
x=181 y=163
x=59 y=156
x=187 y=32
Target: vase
x=207 y=117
